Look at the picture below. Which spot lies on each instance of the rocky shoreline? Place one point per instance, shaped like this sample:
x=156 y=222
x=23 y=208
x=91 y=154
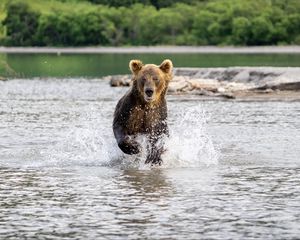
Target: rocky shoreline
x=233 y=82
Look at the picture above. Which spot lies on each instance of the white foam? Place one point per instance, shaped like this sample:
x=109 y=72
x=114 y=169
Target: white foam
x=91 y=142
x=189 y=144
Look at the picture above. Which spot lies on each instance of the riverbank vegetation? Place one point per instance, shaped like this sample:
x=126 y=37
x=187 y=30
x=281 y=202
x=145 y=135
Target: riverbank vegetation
x=149 y=22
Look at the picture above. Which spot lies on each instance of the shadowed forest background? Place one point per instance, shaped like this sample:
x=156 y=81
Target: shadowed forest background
x=149 y=22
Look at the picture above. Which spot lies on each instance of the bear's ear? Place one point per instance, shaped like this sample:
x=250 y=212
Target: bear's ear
x=135 y=66
x=166 y=66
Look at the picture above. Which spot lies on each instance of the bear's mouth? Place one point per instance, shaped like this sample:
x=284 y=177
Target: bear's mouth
x=148 y=99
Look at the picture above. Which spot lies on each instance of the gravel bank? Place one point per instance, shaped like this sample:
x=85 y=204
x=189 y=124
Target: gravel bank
x=234 y=82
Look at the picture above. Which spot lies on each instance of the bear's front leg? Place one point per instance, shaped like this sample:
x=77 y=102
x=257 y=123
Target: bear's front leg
x=154 y=156
x=156 y=143
x=154 y=152
x=129 y=146
x=126 y=142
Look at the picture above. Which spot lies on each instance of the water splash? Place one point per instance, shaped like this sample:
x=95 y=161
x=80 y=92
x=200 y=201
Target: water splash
x=88 y=141
x=91 y=142
x=189 y=144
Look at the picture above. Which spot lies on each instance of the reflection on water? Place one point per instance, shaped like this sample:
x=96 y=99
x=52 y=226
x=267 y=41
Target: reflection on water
x=235 y=202
x=150 y=185
x=59 y=177
x=97 y=65
x=5 y=69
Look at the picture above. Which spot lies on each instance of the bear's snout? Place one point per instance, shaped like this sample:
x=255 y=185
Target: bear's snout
x=149 y=92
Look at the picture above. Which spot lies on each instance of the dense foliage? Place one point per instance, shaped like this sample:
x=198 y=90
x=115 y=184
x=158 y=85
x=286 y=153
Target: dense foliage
x=151 y=22
x=156 y=3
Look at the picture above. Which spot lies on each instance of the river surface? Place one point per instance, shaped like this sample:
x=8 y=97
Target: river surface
x=231 y=171
x=30 y=65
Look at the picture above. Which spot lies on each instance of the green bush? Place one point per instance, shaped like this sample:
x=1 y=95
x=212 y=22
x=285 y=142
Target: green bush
x=261 y=31
x=2 y=33
x=150 y=22
x=293 y=27
x=60 y=29
x=21 y=23
x=75 y=29
x=241 y=30
x=296 y=40
x=156 y=3
x=206 y=28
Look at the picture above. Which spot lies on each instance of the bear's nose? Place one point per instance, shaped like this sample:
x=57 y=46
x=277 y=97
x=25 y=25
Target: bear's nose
x=149 y=92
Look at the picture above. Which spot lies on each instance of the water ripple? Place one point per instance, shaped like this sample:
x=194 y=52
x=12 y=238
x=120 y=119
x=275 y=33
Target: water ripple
x=232 y=170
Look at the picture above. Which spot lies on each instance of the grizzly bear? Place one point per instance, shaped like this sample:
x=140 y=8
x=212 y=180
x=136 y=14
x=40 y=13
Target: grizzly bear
x=143 y=110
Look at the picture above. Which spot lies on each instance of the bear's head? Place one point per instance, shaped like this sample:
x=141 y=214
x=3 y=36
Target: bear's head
x=151 y=80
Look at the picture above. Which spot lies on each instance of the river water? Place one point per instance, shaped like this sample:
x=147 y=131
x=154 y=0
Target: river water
x=20 y=65
x=232 y=169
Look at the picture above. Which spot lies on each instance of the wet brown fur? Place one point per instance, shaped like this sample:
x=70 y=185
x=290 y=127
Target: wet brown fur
x=134 y=115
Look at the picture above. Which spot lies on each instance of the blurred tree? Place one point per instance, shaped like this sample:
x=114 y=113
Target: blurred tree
x=262 y=30
x=293 y=27
x=94 y=25
x=187 y=13
x=135 y=21
x=156 y=3
x=241 y=30
x=222 y=30
x=113 y=25
x=170 y=24
x=150 y=22
x=206 y=28
x=120 y=3
x=59 y=29
x=21 y=23
x=81 y=28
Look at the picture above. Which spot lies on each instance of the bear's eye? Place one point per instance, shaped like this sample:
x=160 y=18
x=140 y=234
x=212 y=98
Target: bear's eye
x=143 y=79
x=156 y=79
